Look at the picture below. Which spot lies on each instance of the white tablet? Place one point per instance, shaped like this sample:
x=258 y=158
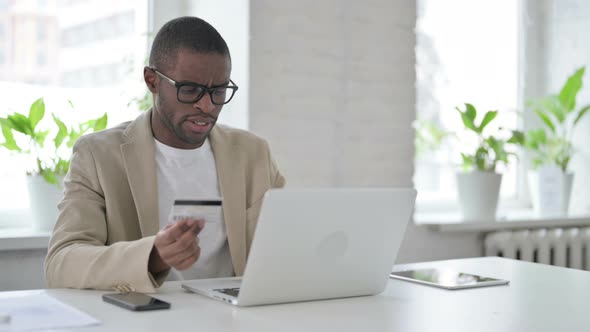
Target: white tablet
x=447 y=278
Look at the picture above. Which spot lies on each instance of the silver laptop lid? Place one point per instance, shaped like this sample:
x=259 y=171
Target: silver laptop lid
x=315 y=244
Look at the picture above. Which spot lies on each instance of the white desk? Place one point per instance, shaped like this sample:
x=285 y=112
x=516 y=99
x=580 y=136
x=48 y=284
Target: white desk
x=539 y=298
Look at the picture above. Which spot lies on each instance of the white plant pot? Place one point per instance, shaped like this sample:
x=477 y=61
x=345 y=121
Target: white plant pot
x=478 y=195
x=550 y=191
x=43 y=198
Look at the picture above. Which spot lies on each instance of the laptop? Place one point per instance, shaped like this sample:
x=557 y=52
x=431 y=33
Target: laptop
x=316 y=244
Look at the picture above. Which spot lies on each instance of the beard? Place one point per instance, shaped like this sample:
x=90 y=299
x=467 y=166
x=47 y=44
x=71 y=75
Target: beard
x=166 y=111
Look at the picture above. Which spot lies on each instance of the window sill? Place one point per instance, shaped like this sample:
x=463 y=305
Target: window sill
x=23 y=239
x=514 y=219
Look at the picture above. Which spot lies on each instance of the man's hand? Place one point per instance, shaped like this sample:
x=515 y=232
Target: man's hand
x=177 y=245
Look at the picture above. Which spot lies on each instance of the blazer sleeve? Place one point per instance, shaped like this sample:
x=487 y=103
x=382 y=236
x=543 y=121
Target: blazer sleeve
x=78 y=255
x=277 y=179
x=271 y=179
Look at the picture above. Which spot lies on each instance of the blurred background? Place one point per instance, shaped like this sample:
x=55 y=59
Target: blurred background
x=338 y=88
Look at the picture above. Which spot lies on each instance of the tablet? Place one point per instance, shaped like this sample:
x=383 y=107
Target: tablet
x=447 y=278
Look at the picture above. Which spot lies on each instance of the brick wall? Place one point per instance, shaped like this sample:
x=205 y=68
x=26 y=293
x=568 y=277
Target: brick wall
x=332 y=89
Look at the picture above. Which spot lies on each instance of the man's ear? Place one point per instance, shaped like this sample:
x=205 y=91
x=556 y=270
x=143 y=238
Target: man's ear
x=150 y=78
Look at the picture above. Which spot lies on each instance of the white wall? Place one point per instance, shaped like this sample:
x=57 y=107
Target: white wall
x=22 y=269
x=332 y=89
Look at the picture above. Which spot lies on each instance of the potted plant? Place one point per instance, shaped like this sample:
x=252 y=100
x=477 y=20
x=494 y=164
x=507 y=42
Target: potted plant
x=25 y=134
x=479 y=183
x=551 y=148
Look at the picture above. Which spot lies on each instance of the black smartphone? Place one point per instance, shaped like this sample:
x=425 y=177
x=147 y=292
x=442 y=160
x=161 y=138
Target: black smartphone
x=135 y=301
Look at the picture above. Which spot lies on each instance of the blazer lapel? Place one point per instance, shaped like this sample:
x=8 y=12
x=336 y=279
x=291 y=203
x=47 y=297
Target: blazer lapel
x=231 y=177
x=140 y=165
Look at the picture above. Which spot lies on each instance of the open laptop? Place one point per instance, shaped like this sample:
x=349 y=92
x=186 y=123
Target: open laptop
x=313 y=244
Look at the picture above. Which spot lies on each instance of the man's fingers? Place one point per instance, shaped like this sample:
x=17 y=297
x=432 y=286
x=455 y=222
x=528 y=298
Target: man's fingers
x=182 y=246
x=178 y=244
x=173 y=233
x=200 y=226
x=189 y=261
x=184 y=243
x=182 y=256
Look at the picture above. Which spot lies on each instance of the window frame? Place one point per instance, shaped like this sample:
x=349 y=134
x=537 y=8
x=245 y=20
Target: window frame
x=521 y=199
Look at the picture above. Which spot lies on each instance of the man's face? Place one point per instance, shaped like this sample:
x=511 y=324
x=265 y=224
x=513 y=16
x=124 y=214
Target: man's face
x=186 y=126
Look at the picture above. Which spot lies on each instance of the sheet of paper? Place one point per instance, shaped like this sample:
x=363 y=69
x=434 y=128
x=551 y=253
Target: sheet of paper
x=40 y=311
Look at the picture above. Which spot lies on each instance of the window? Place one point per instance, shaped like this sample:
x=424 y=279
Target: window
x=41 y=31
x=91 y=56
x=467 y=51
x=42 y=58
x=94 y=57
x=106 y=28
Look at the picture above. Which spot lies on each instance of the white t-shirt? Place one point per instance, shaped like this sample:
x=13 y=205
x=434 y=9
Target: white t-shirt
x=189 y=174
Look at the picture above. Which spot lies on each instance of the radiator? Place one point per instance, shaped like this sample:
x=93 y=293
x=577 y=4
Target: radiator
x=566 y=247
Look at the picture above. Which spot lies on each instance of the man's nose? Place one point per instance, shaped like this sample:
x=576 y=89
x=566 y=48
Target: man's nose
x=205 y=103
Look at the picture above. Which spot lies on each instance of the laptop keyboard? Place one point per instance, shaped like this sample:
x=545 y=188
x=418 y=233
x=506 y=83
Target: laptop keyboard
x=229 y=291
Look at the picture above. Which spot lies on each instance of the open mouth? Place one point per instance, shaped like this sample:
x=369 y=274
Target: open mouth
x=198 y=126
x=198 y=123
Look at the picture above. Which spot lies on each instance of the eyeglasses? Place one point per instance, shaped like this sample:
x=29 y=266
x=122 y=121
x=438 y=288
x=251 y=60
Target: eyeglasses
x=190 y=93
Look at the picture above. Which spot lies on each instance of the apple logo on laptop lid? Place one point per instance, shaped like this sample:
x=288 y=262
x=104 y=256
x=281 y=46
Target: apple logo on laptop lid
x=333 y=246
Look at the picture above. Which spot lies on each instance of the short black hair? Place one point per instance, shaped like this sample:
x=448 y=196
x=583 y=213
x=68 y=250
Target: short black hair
x=187 y=32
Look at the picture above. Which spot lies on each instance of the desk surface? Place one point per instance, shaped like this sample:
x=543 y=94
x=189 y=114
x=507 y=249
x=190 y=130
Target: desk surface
x=539 y=298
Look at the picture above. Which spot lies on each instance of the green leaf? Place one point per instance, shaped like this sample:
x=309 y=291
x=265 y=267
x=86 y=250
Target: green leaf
x=61 y=134
x=517 y=138
x=62 y=166
x=552 y=105
x=567 y=96
x=581 y=114
x=71 y=104
x=467 y=161
x=40 y=137
x=499 y=150
x=73 y=137
x=49 y=176
x=481 y=158
x=36 y=112
x=11 y=146
x=471 y=112
x=20 y=123
x=536 y=138
x=564 y=163
x=546 y=120
x=468 y=116
x=490 y=115
x=100 y=123
x=9 y=141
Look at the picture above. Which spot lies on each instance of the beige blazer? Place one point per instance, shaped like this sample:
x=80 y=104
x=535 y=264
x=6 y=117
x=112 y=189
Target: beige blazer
x=109 y=214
